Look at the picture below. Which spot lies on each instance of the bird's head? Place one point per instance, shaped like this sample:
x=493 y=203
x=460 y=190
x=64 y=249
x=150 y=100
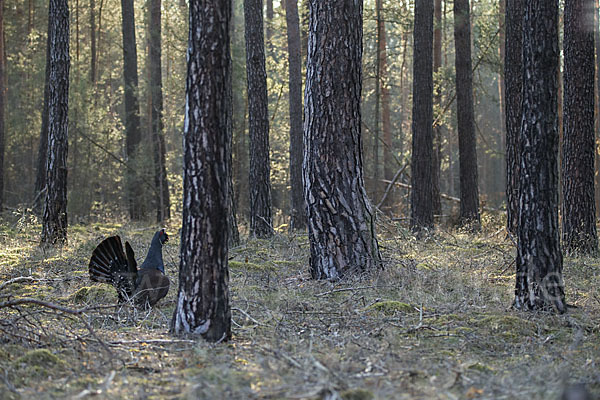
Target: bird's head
x=161 y=236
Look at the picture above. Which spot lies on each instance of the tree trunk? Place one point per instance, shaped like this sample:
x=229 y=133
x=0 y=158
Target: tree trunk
x=93 y=48
x=513 y=74
x=163 y=203
x=421 y=203
x=54 y=223
x=389 y=164
x=539 y=283
x=203 y=300
x=467 y=144
x=597 y=108
x=2 y=102
x=341 y=222
x=133 y=132
x=501 y=83
x=437 y=98
x=298 y=211
x=261 y=223
x=578 y=207
x=269 y=24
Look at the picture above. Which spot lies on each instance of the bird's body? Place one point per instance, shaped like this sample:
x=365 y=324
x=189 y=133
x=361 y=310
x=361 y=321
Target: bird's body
x=145 y=286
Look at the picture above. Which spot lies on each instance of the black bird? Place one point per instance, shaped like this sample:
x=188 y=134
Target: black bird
x=145 y=286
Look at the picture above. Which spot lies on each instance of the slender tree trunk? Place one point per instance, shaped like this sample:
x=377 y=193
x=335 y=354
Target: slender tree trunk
x=203 y=300
x=513 y=74
x=133 y=132
x=467 y=143
x=54 y=223
x=269 y=24
x=298 y=211
x=578 y=207
x=539 y=283
x=437 y=98
x=261 y=222
x=386 y=122
x=376 y=130
x=501 y=144
x=93 y=62
x=163 y=203
x=2 y=102
x=341 y=222
x=422 y=121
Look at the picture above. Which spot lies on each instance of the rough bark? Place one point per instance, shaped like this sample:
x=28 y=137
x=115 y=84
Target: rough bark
x=465 y=115
x=421 y=202
x=2 y=102
x=163 y=203
x=261 y=222
x=437 y=98
x=203 y=300
x=54 y=222
x=298 y=211
x=597 y=107
x=133 y=135
x=539 y=283
x=341 y=222
x=513 y=75
x=578 y=206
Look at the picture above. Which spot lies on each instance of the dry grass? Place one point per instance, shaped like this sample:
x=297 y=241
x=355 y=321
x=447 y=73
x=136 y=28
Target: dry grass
x=435 y=324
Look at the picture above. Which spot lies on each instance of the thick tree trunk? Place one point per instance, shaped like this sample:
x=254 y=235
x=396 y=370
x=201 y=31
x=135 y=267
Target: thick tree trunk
x=465 y=115
x=421 y=203
x=203 y=300
x=341 y=222
x=54 y=223
x=539 y=283
x=437 y=98
x=298 y=211
x=513 y=75
x=578 y=207
x=597 y=108
x=2 y=102
x=163 y=202
x=261 y=222
x=133 y=133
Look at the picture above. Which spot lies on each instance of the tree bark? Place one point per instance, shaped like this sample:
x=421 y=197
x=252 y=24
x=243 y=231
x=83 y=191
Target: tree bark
x=422 y=130
x=93 y=62
x=437 y=98
x=465 y=115
x=341 y=222
x=578 y=206
x=389 y=164
x=136 y=200
x=2 y=102
x=539 y=283
x=261 y=222
x=298 y=211
x=203 y=300
x=54 y=222
x=513 y=74
x=163 y=203
x=597 y=108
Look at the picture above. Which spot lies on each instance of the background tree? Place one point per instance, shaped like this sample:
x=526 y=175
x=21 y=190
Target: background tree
x=513 y=75
x=133 y=133
x=54 y=223
x=467 y=147
x=163 y=203
x=578 y=206
x=539 y=283
x=2 y=102
x=341 y=223
x=298 y=212
x=437 y=98
x=421 y=203
x=261 y=221
x=203 y=299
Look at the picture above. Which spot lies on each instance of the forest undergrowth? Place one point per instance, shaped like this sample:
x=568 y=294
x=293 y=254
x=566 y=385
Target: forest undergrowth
x=435 y=323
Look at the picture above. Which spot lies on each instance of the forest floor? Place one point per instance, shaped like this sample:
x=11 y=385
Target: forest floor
x=436 y=323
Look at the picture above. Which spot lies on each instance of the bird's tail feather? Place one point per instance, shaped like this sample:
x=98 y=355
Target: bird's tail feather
x=107 y=260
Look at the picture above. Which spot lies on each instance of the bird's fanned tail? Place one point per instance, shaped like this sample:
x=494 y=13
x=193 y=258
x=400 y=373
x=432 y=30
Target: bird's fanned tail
x=109 y=264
